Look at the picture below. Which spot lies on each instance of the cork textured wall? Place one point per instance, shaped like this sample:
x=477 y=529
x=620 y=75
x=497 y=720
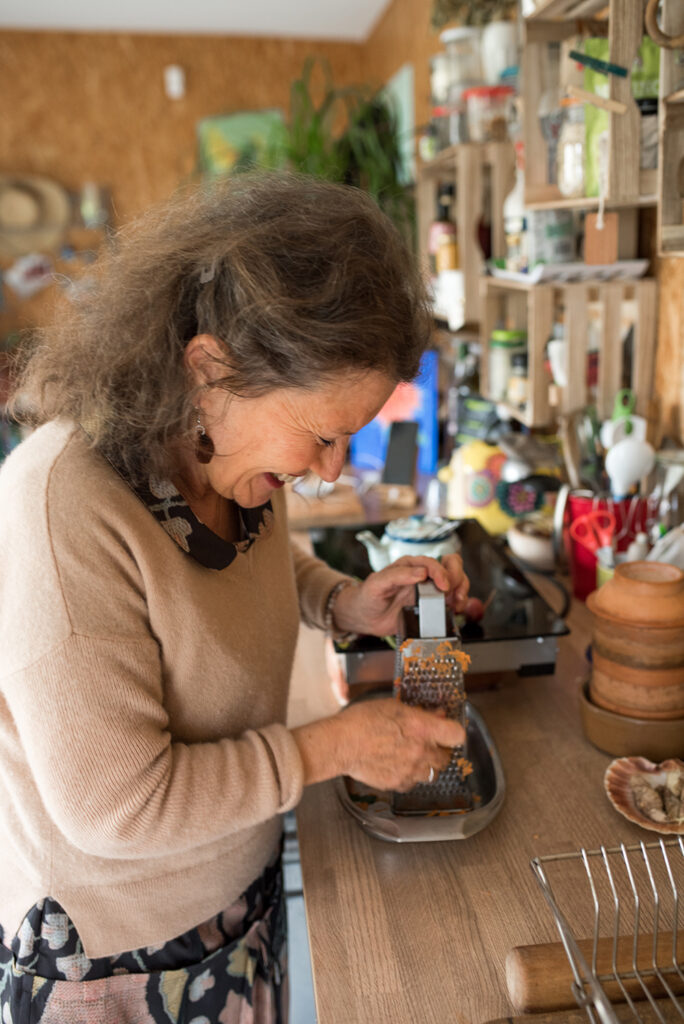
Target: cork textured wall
x=91 y=107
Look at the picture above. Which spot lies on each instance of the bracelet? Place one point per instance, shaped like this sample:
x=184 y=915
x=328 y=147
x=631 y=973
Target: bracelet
x=328 y=624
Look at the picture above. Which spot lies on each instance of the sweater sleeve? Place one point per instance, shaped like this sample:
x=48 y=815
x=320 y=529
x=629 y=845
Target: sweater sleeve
x=314 y=580
x=107 y=770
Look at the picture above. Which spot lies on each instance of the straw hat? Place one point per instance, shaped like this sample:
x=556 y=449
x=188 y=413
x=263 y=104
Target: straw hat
x=34 y=214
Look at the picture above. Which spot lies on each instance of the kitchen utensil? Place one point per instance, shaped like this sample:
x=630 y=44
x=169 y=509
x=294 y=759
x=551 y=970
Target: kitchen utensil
x=627 y=899
x=372 y=809
x=595 y=530
x=627 y=462
x=539 y=977
x=663 y=1011
x=613 y=431
x=430 y=664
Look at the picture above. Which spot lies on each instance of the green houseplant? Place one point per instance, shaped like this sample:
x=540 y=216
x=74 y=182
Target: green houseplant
x=347 y=134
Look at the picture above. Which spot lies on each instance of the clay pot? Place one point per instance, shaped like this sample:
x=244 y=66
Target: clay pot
x=638 y=641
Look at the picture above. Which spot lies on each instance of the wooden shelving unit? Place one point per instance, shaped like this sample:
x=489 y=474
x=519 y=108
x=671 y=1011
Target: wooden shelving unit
x=557 y=21
x=604 y=311
x=534 y=307
x=466 y=166
x=671 y=142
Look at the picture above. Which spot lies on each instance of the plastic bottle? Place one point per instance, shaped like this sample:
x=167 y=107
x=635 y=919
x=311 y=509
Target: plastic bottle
x=442 y=226
x=514 y=217
x=638 y=549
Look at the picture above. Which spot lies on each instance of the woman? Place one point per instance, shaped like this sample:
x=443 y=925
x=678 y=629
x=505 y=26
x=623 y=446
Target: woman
x=230 y=342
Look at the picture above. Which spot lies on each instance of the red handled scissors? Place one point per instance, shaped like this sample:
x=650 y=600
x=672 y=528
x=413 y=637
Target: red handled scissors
x=595 y=530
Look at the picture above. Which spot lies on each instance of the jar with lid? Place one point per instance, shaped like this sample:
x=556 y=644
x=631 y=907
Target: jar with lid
x=518 y=389
x=503 y=345
x=463 y=49
x=571 y=149
x=488 y=111
x=464 y=69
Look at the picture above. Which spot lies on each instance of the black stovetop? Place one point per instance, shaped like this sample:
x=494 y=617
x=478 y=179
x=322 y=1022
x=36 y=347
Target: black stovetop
x=516 y=610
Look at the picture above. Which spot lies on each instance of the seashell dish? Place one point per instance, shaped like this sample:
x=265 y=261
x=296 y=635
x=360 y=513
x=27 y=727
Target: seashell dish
x=650 y=795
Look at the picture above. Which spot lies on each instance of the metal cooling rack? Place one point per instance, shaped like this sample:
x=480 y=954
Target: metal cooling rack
x=633 y=890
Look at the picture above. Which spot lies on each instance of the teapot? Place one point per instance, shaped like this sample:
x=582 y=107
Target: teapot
x=412 y=535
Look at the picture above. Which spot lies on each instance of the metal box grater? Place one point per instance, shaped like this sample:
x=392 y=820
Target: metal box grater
x=429 y=674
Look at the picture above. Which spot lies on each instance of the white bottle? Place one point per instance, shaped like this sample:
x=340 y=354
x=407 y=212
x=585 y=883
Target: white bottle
x=514 y=218
x=638 y=549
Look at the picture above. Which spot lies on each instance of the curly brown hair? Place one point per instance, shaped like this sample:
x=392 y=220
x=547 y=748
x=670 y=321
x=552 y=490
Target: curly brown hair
x=297 y=279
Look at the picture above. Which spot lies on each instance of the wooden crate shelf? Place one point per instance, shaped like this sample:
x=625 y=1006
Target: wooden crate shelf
x=514 y=304
x=568 y=10
x=671 y=142
x=556 y=21
x=671 y=171
x=465 y=166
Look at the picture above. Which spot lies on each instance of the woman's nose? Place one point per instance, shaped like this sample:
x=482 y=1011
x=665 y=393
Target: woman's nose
x=330 y=461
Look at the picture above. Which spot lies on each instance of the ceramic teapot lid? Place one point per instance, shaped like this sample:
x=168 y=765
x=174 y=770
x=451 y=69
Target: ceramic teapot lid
x=421 y=529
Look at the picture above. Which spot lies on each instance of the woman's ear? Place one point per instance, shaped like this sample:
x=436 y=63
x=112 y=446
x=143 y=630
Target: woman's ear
x=204 y=359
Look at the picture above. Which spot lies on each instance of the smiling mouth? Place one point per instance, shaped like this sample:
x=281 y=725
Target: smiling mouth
x=277 y=480
x=284 y=478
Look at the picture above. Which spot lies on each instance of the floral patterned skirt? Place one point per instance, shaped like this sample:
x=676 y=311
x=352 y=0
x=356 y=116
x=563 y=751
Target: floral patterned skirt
x=232 y=969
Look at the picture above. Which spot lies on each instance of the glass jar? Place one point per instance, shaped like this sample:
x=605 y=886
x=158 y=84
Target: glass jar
x=571 y=148
x=463 y=50
x=440 y=78
x=503 y=345
x=464 y=69
x=439 y=123
x=518 y=389
x=488 y=111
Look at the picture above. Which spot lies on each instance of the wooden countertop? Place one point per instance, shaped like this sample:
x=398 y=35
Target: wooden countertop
x=419 y=932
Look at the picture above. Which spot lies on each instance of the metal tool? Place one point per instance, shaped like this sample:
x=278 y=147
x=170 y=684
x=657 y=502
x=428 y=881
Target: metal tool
x=595 y=531
x=429 y=674
x=626 y=900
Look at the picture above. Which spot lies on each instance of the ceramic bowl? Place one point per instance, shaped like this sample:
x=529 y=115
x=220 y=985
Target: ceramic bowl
x=634 y=786
x=531 y=545
x=623 y=735
x=642 y=593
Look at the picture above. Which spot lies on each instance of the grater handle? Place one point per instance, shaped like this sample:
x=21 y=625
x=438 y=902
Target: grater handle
x=431 y=610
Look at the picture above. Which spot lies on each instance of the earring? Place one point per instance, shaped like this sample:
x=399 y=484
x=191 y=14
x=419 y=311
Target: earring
x=204 y=448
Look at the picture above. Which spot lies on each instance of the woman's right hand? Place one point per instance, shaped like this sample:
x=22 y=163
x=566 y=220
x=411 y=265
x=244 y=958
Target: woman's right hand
x=382 y=743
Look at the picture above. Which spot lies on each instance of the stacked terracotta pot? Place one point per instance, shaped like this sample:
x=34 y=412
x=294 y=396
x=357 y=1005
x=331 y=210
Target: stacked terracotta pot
x=638 y=642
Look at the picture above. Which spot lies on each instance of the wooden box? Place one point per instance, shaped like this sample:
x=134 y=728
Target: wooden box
x=556 y=21
x=610 y=304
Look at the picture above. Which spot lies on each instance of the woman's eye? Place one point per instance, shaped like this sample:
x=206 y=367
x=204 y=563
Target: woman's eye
x=324 y=441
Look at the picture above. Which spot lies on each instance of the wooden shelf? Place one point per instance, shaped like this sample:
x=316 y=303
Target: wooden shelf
x=516 y=304
x=554 y=21
x=568 y=10
x=523 y=416
x=467 y=166
x=592 y=203
x=671 y=155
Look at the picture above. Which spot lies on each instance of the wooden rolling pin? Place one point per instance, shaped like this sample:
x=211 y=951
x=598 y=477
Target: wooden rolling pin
x=666 y=1008
x=539 y=978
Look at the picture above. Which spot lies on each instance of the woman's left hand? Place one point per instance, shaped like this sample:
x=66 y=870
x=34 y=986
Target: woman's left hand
x=374 y=606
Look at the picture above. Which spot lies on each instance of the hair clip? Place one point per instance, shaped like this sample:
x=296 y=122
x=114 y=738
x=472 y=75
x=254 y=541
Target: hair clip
x=207 y=273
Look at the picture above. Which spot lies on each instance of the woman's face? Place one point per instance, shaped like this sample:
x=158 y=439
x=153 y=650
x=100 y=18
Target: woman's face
x=285 y=433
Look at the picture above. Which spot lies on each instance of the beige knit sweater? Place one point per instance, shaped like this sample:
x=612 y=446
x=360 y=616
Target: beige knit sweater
x=143 y=756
